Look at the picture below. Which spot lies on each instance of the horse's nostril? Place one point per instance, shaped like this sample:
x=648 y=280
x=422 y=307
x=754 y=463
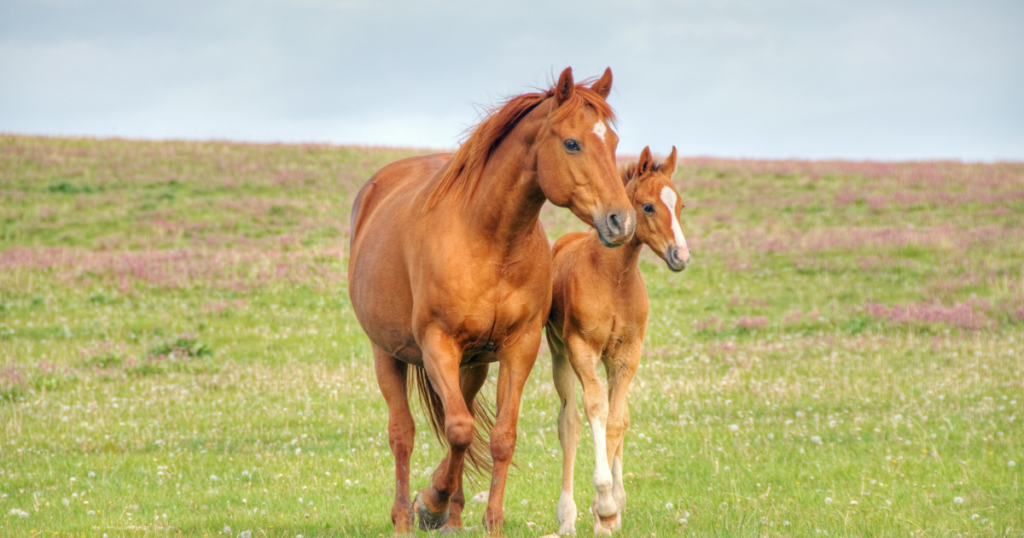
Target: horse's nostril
x=613 y=223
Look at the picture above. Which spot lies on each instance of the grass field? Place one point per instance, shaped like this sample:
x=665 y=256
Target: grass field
x=178 y=356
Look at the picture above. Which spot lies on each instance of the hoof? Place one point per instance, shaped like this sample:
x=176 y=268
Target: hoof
x=428 y=520
x=613 y=523
x=403 y=520
x=566 y=515
x=604 y=526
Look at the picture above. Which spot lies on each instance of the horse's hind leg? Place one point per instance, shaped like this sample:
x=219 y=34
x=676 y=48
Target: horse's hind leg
x=441 y=358
x=392 y=380
x=568 y=431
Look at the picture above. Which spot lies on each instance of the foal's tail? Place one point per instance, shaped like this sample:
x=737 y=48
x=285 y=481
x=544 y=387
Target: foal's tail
x=479 y=453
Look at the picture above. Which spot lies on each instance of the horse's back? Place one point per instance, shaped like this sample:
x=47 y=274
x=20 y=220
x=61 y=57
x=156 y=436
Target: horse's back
x=406 y=177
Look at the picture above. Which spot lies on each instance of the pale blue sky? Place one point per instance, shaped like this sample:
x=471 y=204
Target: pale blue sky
x=813 y=79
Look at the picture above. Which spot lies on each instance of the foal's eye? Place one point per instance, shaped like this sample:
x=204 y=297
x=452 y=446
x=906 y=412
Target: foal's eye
x=572 y=146
x=649 y=208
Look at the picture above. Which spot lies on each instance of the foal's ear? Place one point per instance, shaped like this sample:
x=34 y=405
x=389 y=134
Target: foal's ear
x=603 y=86
x=643 y=166
x=669 y=166
x=565 y=87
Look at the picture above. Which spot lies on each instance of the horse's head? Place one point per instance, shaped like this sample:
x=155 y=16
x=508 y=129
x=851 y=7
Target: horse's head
x=658 y=205
x=575 y=152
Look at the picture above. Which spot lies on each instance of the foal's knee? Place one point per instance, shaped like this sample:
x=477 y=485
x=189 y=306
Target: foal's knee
x=597 y=409
x=459 y=430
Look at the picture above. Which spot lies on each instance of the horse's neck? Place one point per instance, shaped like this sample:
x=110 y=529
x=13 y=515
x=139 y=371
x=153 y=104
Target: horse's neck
x=505 y=205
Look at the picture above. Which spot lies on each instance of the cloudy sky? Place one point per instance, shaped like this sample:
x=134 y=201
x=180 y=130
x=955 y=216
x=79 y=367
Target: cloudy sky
x=799 y=78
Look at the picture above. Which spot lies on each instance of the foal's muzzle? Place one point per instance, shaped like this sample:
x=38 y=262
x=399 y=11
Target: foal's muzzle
x=677 y=258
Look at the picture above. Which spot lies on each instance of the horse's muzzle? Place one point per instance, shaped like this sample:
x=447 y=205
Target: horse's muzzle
x=615 y=227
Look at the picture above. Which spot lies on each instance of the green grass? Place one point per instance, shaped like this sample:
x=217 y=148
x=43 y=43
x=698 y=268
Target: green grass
x=178 y=355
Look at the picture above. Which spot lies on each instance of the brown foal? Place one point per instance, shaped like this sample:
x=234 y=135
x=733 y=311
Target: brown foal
x=599 y=314
x=450 y=271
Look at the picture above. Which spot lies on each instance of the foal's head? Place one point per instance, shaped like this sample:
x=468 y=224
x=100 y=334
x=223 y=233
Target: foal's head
x=576 y=158
x=658 y=204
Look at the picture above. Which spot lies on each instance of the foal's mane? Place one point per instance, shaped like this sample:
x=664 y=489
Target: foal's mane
x=630 y=171
x=466 y=167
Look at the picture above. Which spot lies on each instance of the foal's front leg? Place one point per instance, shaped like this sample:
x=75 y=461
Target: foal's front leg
x=568 y=430
x=620 y=373
x=595 y=403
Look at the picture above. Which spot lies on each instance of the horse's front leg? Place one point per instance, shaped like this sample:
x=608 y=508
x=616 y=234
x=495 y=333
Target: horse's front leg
x=392 y=380
x=441 y=358
x=471 y=379
x=516 y=362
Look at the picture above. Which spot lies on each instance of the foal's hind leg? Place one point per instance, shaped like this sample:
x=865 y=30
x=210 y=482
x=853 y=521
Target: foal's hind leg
x=392 y=380
x=568 y=431
x=618 y=490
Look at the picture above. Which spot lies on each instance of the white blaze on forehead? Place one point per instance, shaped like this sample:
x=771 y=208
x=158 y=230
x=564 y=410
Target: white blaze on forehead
x=600 y=129
x=669 y=197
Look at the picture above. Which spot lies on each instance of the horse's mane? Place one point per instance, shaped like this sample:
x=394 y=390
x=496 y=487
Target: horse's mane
x=466 y=167
x=630 y=170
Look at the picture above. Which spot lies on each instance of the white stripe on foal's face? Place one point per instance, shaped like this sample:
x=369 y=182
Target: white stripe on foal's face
x=669 y=197
x=600 y=129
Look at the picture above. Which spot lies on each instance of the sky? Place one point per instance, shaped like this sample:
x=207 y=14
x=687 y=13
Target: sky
x=882 y=80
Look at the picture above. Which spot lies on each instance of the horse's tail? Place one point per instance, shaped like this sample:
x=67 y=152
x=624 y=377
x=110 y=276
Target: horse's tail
x=479 y=454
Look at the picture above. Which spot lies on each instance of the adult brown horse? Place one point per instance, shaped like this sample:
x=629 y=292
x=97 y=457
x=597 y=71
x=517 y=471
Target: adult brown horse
x=450 y=270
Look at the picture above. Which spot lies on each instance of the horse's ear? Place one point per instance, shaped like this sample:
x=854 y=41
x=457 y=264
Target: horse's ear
x=565 y=87
x=643 y=166
x=603 y=86
x=669 y=166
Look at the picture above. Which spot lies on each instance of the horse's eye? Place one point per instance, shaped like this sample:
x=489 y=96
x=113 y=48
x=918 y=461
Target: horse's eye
x=649 y=208
x=572 y=146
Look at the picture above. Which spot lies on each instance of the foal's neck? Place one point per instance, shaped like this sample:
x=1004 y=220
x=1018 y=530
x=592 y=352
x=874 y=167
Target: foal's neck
x=621 y=260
